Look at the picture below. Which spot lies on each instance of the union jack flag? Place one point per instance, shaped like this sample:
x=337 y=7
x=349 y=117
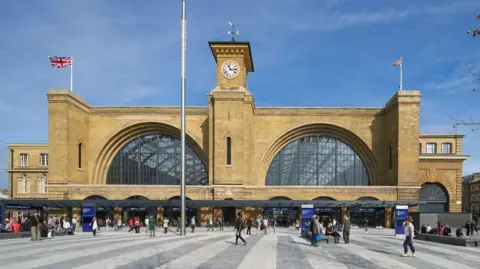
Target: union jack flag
x=60 y=62
x=398 y=62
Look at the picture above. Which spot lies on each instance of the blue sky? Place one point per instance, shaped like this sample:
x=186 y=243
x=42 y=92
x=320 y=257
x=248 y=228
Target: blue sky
x=306 y=53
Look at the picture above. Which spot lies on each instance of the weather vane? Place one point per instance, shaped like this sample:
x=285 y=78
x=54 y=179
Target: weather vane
x=233 y=32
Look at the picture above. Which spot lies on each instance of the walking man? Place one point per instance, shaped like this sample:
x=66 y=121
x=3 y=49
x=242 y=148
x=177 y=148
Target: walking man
x=239 y=226
x=409 y=232
x=346 y=230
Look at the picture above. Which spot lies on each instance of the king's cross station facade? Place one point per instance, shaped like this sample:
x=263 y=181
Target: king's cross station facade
x=235 y=151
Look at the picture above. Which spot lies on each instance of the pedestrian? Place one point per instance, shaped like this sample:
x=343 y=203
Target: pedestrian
x=315 y=230
x=179 y=221
x=146 y=224
x=94 y=226
x=365 y=222
x=409 y=232
x=274 y=225
x=37 y=222
x=346 y=230
x=74 y=225
x=239 y=226
x=165 y=224
x=152 y=225
x=265 y=225
x=259 y=224
x=467 y=226
x=249 y=225
x=193 y=224
x=107 y=224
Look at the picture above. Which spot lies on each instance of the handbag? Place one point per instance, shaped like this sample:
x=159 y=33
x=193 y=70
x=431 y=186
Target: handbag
x=319 y=237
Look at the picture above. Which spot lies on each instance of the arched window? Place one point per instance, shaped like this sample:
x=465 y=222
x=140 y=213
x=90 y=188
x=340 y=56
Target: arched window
x=137 y=197
x=23 y=184
x=318 y=161
x=42 y=183
x=324 y=198
x=280 y=198
x=155 y=159
x=436 y=197
x=95 y=197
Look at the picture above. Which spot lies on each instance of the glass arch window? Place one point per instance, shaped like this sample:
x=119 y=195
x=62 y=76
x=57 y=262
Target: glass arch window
x=155 y=159
x=317 y=161
x=436 y=196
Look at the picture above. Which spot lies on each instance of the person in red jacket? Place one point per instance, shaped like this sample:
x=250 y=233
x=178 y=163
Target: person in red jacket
x=136 y=223
x=130 y=223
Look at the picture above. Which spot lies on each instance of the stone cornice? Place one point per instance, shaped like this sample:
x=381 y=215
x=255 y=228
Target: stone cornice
x=315 y=111
x=132 y=110
x=66 y=96
x=443 y=157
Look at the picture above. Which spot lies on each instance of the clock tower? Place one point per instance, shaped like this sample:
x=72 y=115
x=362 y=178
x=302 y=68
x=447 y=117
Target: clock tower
x=234 y=62
x=231 y=110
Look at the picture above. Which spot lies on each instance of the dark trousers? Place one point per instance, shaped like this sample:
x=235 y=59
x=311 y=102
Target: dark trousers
x=166 y=229
x=237 y=237
x=137 y=230
x=346 y=236
x=193 y=228
x=95 y=232
x=314 y=239
x=468 y=231
x=408 y=242
x=249 y=230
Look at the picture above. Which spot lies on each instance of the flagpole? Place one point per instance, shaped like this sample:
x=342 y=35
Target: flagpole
x=71 y=76
x=401 y=75
x=183 y=86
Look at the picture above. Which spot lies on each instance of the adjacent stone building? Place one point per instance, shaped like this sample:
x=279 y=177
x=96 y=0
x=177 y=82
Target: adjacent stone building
x=471 y=193
x=238 y=151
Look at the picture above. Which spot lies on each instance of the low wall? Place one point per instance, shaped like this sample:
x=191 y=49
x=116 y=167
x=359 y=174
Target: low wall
x=448 y=240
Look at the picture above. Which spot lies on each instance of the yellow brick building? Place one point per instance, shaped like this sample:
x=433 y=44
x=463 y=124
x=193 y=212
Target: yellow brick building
x=238 y=151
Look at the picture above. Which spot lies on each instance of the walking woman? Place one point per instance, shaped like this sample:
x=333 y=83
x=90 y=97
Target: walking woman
x=94 y=225
x=239 y=226
x=409 y=232
x=152 y=225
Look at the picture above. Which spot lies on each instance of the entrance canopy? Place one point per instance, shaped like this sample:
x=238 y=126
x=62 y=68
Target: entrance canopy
x=208 y=203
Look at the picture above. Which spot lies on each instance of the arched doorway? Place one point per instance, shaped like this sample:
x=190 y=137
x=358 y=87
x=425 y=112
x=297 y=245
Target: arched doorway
x=101 y=212
x=325 y=211
x=138 y=211
x=367 y=215
x=174 y=213
x=436 y=197
x=283 y=215
x=229 y=214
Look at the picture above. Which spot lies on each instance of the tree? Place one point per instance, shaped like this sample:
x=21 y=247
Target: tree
x=475 y=31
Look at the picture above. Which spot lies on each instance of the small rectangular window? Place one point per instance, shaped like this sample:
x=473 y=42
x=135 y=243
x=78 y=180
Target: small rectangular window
x=44 y=159
x=80 y=155
x=23 y=159
x=229 y=151
x=446 y=148
x=390 y=156
x=431 y=148
x=419 y=148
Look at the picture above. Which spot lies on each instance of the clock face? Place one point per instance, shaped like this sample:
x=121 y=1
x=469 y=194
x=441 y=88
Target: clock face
x=230 y=69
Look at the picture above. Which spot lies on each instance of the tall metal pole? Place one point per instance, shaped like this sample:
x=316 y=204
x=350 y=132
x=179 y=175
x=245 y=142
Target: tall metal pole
x=184 y=81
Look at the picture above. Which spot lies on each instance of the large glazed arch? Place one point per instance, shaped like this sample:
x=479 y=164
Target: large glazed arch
x=324 y=130
x=121 y=138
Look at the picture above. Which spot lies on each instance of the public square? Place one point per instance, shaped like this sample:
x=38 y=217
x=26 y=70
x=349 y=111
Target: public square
x=212 y=250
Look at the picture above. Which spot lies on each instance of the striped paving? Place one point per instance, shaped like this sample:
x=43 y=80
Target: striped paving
x=215 y=250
